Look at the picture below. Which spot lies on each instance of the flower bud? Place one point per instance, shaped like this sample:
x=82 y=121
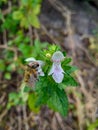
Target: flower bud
x=48 y=55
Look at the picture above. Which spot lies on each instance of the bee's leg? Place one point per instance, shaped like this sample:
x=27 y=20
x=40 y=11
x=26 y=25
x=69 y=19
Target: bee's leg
x=26 y=77
x=36 y=76
x=37 y=79
x=38 y=73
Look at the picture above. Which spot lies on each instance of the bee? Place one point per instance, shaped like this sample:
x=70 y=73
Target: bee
x=31 y=72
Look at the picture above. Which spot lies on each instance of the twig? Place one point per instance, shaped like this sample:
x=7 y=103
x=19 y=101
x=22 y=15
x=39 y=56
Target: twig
x=87 y=54
x=60 y=122
x=54 y=123
x=2 y=97
x=66 y=13
x=58 y=5
x=90 y=100
x=15 y=50
x=48 y=34
x=36 y=34
x=31 y=35
x=8 y=10
x=10 y=5
x=5 y=38
x=3 y=114
x=19 y=118
x=80 y=110
x=25 y=118
x=83 y=88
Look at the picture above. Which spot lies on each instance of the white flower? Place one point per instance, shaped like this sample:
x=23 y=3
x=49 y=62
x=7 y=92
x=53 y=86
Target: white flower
x=56 y=71
x=41 y=63
x=31 y=59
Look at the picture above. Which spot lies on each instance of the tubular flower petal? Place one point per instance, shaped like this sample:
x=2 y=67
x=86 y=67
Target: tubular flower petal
x=58 y=56
x=56 y=70
x=40 y=72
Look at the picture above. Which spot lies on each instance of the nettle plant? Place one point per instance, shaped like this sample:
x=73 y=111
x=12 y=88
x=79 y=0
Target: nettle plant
x=54 y=75
x=28 y=12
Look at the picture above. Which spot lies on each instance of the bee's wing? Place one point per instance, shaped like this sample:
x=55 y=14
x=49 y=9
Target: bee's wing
x=32 y=81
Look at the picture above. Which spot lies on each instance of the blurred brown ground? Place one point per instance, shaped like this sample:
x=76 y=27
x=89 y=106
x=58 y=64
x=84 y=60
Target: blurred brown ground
x=70 y=24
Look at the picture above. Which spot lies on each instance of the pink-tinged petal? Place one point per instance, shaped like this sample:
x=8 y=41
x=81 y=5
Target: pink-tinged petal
x=40 y=72
x=55 y=67
x=58 y=77
x=57 y=72
x=57 y=56
x=51 y=70
x=58 y=67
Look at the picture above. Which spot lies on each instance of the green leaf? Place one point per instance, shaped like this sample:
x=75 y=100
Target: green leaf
x=36 y=9
x=25 y=49
x=31 y=103
x=59 y=102
x=24 y=22
x=36 y=2
x=1 y=15
x=12 y=95
x=17 y=15
x=34 y=21
x=2 y=65
x=72 y=69
x=50 y=94
x=66 y=67
x=53 y=48
x=24 y=2
x=11 y=67
x=13 y=99
x=69 y=80
x=67 y=61
x=93 y=125
x=7 y=75
x=37 y=47
x=64 y=53
x=27 y=89
x=43 y=95
x=10 y=24
x=43 y=91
